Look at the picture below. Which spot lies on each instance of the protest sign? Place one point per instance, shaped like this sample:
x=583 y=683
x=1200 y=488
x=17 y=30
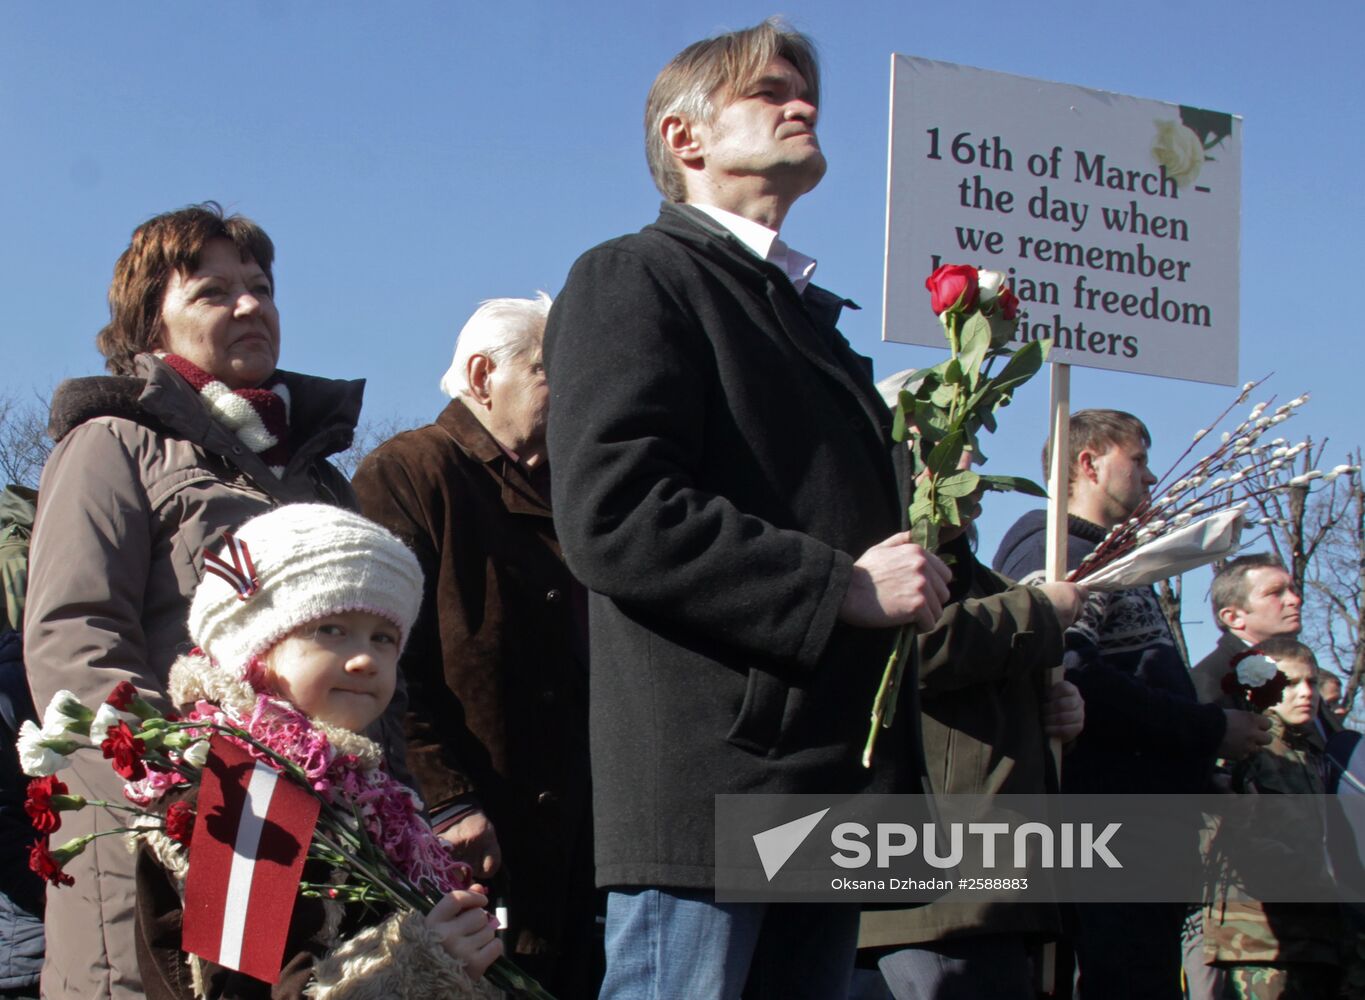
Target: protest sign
x=1116 y=219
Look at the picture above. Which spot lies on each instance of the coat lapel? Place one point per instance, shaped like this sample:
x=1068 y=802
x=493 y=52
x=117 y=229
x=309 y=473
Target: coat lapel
x=519 y=494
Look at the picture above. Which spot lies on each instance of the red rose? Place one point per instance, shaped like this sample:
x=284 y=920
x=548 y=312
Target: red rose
x=1009 y=302
x=952 y=285
x=38 y=805
x=44 y=865
x=180 y=822
x=122 y=696
x=126 y=751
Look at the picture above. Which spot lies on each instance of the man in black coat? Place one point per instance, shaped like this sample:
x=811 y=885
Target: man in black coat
x=1253 y=600
x=726 y=486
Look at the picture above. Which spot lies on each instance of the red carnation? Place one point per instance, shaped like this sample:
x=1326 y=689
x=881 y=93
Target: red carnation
x=126 y=751
x=38 y=805
x=122 y=696
x=952 y=285
x=180 y=822
x=44 y=865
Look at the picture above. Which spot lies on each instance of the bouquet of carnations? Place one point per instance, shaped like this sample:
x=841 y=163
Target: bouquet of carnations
x=369 y=827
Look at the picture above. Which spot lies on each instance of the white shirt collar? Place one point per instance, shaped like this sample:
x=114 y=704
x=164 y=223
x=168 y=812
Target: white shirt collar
x=766 y=245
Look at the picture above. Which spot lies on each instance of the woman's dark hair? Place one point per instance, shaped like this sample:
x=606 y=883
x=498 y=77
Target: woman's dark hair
x=161 y=246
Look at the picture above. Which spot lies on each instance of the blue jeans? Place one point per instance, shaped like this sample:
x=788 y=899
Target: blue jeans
x=667 y=944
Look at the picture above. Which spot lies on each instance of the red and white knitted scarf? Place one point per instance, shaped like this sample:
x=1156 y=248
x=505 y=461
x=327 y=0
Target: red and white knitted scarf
x=259 y=417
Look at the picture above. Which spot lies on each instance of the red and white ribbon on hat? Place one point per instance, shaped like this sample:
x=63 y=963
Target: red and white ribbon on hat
x=240 y=573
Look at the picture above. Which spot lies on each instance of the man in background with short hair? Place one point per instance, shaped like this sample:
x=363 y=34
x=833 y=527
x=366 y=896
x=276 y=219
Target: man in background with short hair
x=1253 y=599
x=1145 y=732
x=1330 y=691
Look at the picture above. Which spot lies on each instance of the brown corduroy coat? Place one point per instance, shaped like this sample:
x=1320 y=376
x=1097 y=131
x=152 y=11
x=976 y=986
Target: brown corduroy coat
x=496 y=669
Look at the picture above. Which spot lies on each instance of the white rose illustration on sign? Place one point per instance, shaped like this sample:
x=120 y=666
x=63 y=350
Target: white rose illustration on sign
x=1179 y=150
x=1183 y=146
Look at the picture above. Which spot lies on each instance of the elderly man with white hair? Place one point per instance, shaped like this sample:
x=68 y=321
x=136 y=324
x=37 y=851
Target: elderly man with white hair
x=496 y=668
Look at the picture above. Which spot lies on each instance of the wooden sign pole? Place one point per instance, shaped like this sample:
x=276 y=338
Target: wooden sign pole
x=1059 y=451
x=1059 y=465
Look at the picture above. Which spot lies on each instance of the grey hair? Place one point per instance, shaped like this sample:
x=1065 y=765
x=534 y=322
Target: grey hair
x=500 y=329
x=716 y=67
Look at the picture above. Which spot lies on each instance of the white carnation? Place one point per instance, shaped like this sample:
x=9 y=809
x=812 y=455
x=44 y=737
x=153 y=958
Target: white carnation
x=196 y=754
x=106 y=718
x=35 y=757
x=64 y=711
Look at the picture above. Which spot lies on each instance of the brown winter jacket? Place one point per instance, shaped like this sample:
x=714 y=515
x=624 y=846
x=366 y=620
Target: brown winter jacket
x=496 y=673
x=983 y=671
x=142 y=479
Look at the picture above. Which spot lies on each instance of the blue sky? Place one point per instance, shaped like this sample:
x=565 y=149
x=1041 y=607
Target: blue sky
x=411 y=159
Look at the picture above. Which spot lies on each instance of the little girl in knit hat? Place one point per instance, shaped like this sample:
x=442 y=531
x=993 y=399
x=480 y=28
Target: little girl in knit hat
x=303 y=612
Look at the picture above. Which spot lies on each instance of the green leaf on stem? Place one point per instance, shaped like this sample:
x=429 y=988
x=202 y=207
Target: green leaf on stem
x=916 y=460
x=952 y=372
x=932 y=424
x=947 y=511
x=1012 y=484
x=902 y=414
x=976 y=341
x=1022 y=366
x=922 y=508
x=943 y=459
x=944 y=395
x=960 y=484
x=924 y=532
x=1002 y=330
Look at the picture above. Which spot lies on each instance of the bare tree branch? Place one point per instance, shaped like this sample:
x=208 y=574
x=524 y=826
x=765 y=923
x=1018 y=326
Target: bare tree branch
x=1169 y=595
x=24 y=444
x=369 y=435
x=1316 y=527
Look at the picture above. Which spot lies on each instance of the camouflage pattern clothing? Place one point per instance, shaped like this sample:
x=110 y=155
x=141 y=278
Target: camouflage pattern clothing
x=16 y=525
x=1302 y=981
x=1274 y=949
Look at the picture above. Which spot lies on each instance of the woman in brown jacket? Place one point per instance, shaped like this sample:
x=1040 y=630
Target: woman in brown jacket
x=195 y=432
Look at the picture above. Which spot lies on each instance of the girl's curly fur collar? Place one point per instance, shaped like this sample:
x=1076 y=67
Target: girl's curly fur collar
x=196 y=677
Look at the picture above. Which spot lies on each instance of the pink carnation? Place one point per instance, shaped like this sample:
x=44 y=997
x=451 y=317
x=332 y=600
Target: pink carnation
x=156 y=784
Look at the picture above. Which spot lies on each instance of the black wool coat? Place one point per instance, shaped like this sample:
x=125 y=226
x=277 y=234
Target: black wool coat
x=720 y=457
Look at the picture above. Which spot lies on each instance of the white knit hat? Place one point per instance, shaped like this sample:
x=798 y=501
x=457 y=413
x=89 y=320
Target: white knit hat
x=293 y=565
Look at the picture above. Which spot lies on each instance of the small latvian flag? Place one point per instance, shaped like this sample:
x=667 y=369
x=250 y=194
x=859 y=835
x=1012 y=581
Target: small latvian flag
x=251 y=837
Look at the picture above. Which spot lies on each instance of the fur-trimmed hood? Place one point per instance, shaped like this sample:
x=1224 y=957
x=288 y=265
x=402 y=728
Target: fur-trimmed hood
x=195 y=677
x=325 y=409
